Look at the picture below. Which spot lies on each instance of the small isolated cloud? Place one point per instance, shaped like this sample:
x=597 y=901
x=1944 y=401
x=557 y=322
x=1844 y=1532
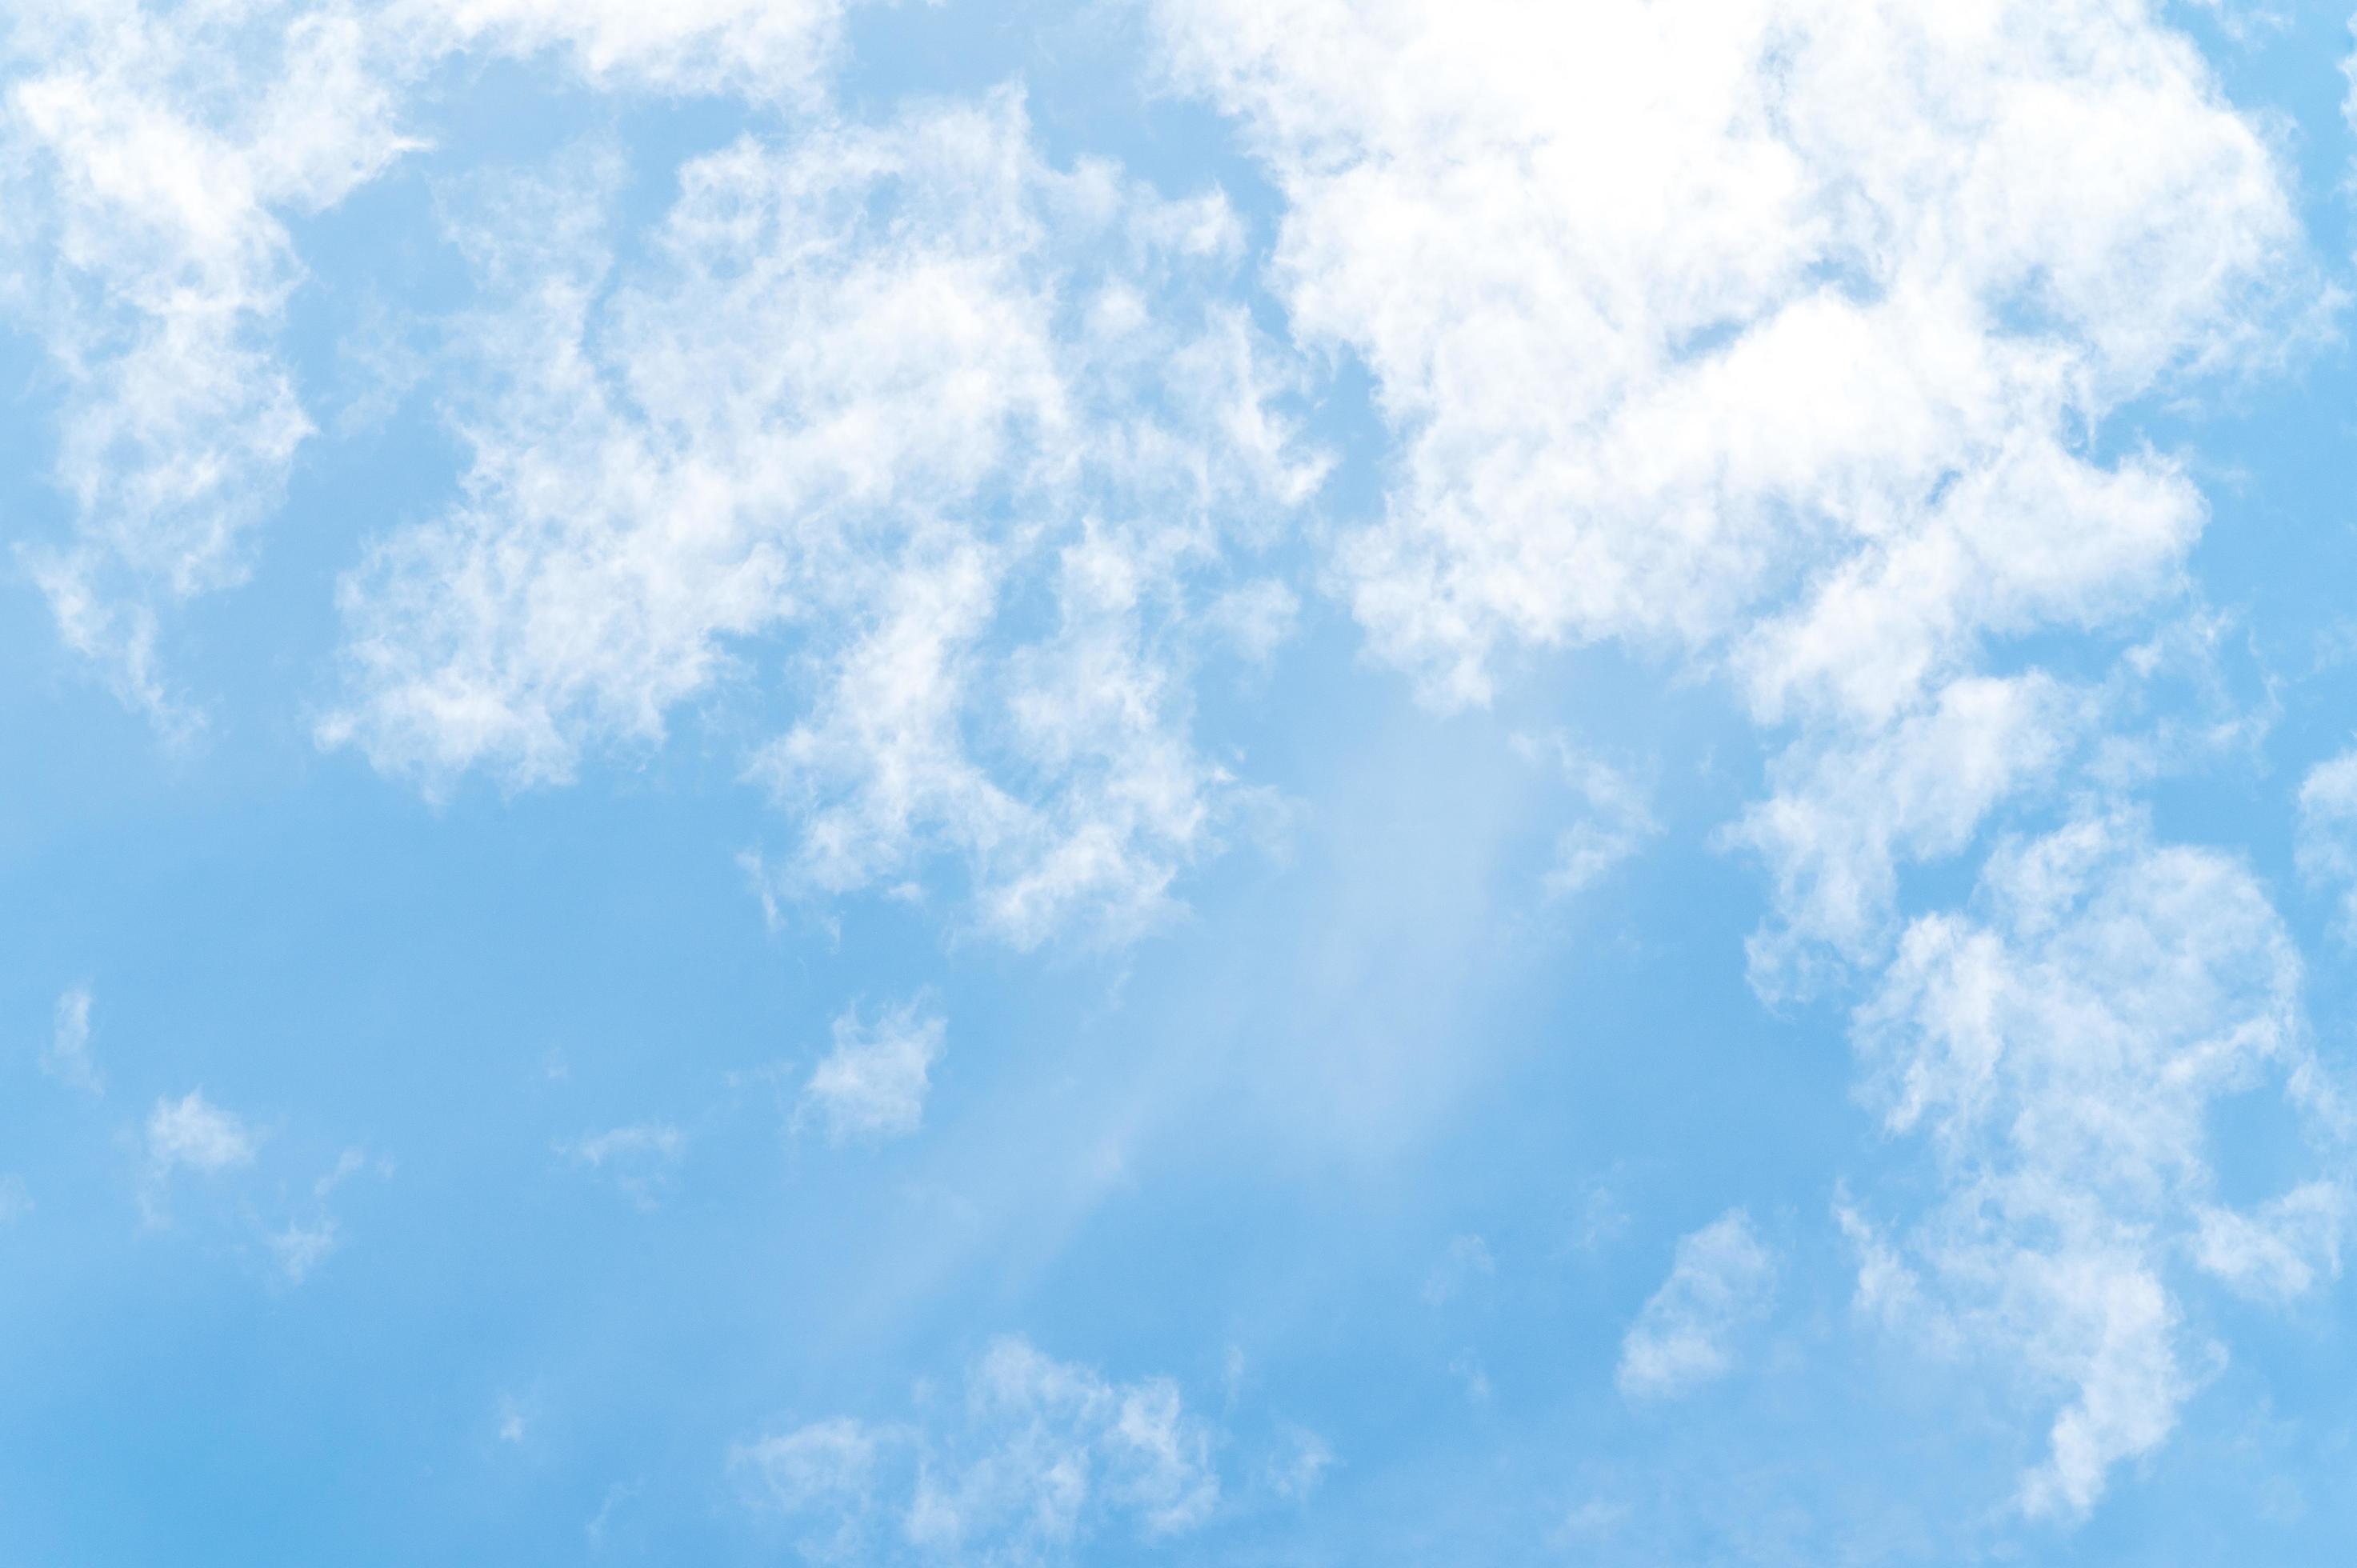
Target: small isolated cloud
x=1722 y=1278
x=1614 y=822
x=1041 y=1458
x=1465 y=1261
x=1299 y=1466
x=639 y=1160
x=299 y=1248
x=2281 y=1250
x=66 y=1058
x=14 y=1201
x=304 y=1243
x=873 y=1084
x=1467 y=1368
x=191 y=1134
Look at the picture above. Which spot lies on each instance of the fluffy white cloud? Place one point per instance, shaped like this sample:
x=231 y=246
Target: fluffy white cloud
x=873 y=1083
x=2061 y=1048
x=1721 y=1279
x=1042 y=1457
x=148 y=158
x=194 y=1135
x=884 y=414
x=1771 y=333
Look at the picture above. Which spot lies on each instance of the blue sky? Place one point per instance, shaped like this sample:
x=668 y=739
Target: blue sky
x=821 y=780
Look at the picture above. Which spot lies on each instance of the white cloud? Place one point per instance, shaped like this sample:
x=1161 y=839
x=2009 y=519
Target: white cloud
x=1720 y=1280
x=67 y=1056
x=1850 y=806
x=1300 y=1467
x=873 y=1083
x=299 y=1248
x=2282 y=1251
x=1774 y=335
x=1615 y=824
x=147 y=161
x=641 y=1160
x=2060 y=1049
x=192 y=1134
x=854 y=418
x=2328 y=832
x=1465 y=1261
x=151 y=157
x=1834 y=310
x=301 y=1245
x=774 y=49
x=16 y=1200
x=1041 y=1458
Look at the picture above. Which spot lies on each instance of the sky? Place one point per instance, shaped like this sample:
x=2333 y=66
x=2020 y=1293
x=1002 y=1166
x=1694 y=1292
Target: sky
x=1215 y=781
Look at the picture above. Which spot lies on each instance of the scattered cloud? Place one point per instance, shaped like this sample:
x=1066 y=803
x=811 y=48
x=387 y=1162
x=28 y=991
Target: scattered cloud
x=67 y=1056
x=1465 y=1261
x=642 y=1161
x=853 y=395
x=1298 y=1468
x=1616 y=821
x=1042 y=1459
x=874 y=1082
x=2328 y=833
x=1720 y=1281
x=1797 y=387
x=151 y=158
x=191 y=1134
x=300 y=1248
x=2061 y=1051
x=774 y=49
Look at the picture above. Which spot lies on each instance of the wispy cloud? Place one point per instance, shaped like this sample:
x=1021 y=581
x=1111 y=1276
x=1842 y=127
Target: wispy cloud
x=66 y=1058
x=1720 y=1281
x=873 y=1084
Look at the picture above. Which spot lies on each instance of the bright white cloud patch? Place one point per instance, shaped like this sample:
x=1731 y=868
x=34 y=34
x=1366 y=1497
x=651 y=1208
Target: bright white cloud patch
x=2061 y=1050
x=873 y=1083
x=883 y=413
x=1043 y=1459
x=1719 y=1282
x=192 y=1134
x=1770 y=330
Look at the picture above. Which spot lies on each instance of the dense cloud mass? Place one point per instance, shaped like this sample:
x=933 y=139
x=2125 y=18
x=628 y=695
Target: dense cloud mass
x=1773 y=333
